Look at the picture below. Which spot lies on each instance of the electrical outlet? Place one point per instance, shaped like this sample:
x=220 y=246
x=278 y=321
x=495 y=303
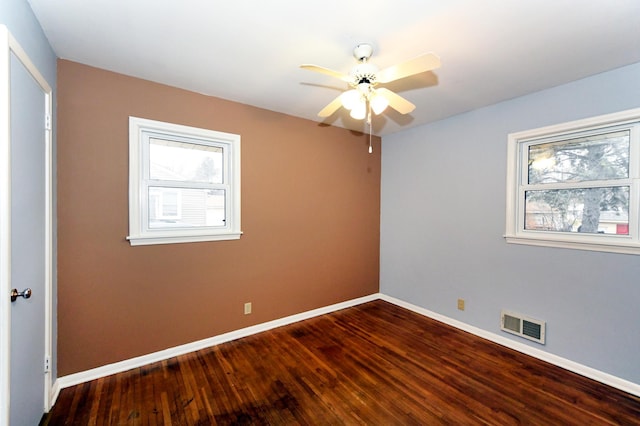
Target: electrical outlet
x=247 y=308
x=461 y=304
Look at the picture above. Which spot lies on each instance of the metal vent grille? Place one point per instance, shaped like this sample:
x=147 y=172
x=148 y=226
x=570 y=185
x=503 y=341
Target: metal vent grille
x=531 y=329
x=523 y=326
x=511 y=323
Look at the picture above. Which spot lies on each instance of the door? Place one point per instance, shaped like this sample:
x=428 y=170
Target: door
x=25 y=236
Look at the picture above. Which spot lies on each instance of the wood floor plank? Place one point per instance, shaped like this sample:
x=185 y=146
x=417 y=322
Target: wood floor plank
x=373 y=364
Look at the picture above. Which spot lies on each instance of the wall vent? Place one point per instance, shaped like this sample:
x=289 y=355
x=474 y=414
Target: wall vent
x=522 y=326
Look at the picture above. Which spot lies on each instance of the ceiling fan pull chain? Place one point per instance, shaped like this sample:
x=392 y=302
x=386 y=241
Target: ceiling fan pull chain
x=369 y=123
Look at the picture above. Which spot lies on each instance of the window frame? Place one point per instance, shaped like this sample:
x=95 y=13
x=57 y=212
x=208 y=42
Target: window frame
x=517 y=169
x=141 y=130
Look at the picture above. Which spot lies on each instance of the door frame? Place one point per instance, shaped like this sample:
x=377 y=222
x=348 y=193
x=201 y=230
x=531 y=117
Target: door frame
x=8 y=46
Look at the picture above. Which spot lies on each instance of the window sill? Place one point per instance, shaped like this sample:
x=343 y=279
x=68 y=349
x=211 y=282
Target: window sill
x=590 y=245
x=145 y=240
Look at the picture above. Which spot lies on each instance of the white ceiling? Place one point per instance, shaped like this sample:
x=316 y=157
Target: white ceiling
x=249 y=51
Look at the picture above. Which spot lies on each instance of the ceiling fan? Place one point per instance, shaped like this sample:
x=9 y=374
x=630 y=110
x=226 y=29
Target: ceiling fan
x=365 y=95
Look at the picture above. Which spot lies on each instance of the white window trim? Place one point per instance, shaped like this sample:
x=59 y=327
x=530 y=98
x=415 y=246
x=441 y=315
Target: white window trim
x=138 y=159
x=515 y=232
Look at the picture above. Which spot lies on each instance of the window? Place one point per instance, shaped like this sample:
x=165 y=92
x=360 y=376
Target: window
x=184 y=184
x=576 y=185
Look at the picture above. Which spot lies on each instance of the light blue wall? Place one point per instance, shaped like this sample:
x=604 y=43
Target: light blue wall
x=17 y=16
x=443 y=220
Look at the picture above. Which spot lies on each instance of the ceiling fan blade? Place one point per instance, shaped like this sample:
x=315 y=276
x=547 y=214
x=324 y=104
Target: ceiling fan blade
x=326 y=71
x=331 y=108
x=396 y=101
x=422 y=63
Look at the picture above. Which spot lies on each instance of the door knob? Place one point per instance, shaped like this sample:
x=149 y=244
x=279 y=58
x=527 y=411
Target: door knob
x=26 y=293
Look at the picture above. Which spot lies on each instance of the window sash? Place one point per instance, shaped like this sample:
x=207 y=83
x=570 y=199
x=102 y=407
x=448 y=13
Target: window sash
x=169 y=153
x=618 y=137
x=572 y=215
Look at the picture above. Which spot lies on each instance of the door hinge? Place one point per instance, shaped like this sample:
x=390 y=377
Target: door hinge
x=47 y=364
x=47 y=122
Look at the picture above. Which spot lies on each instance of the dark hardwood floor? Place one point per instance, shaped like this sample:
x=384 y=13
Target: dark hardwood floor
x=374 y=364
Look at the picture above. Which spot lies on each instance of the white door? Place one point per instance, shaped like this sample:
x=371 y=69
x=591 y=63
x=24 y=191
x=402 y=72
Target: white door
x=25 y=237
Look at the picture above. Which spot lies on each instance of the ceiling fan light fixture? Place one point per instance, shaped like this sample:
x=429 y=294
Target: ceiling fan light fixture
x=364 y=88
x=350 y=99
x=378 y=103
x=359 y=112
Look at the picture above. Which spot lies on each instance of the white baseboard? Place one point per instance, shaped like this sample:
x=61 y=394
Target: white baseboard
x=583 y=370
x=119 y=367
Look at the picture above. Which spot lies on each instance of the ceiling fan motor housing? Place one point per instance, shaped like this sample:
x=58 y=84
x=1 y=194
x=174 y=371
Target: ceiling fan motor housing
x=364 y=73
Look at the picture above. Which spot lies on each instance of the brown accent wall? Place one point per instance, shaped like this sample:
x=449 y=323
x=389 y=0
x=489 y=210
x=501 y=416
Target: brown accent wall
x=310 y=217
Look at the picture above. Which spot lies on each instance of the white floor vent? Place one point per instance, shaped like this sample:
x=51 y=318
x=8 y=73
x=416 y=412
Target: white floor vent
x=522 y=326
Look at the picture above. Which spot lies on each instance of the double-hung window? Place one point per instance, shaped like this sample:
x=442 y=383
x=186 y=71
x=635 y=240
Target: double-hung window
x=576 y=185
x=184 y=183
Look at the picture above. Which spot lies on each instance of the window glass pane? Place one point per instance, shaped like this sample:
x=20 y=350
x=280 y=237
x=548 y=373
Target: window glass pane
x=170 y=204
x=186 y=207
x=585 y=210
x=181 y=161
x=596 y=157
x=164 y=203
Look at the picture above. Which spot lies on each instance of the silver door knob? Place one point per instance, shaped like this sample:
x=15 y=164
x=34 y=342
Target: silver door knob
x=26 y=293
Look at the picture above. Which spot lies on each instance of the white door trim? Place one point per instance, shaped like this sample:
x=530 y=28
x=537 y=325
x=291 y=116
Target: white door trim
x=9 y=45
